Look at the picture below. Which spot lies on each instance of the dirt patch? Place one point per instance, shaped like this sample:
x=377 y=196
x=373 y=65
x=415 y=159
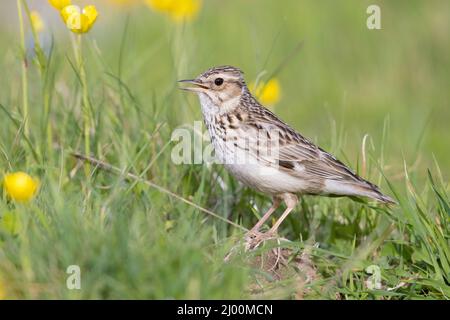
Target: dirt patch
x=277 y=265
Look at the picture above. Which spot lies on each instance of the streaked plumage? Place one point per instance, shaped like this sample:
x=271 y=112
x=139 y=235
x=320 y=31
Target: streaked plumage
x=265 y=153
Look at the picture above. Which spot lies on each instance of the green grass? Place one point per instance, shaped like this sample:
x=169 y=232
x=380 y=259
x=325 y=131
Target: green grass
x=133 y=241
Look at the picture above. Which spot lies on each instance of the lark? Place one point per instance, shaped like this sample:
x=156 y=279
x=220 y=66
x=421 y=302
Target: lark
x=265 y=153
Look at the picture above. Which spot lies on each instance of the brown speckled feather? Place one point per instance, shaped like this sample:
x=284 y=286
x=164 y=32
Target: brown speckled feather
x=271 y=156
x=295 y=151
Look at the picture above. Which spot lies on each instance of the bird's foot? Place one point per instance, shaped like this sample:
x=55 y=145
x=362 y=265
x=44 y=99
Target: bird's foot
x=254 y=238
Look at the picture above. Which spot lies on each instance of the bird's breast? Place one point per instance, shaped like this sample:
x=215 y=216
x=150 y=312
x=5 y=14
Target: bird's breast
x=238 y=153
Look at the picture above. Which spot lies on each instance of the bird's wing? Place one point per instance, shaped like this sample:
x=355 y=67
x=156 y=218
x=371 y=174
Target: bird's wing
x=298 y=155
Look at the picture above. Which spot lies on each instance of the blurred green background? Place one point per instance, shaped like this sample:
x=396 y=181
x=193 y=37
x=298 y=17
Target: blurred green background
x=346 y=79
x=133 y=242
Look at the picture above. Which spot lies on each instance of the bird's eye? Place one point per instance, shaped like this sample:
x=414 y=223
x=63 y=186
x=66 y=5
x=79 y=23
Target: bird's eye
x=218 y=81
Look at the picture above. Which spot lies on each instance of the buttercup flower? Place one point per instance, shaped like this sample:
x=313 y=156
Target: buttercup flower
x=59 y=4
x=36 y=21
x=20 y=186
x=268 y=93
x=160 y=5
x=77 y=20
x=178 y=10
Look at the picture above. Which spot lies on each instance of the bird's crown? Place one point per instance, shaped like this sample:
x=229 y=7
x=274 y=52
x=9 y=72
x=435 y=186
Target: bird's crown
x=229 y=70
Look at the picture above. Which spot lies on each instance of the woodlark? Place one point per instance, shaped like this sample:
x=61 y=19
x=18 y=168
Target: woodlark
x=265 y=153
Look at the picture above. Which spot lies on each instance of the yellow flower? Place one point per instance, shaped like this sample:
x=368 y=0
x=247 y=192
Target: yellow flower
x=268 y=93
x=59 y=4
x=36 y=21
x=20 y=186
x=161 y=5
x=185 y=10
x=178 y=10
x=77 y=20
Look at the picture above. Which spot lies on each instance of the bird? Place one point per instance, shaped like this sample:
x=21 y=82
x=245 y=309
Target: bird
x=265 y=153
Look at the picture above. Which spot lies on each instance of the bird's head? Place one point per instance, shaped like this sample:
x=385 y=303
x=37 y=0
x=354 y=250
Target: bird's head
x=221 y=87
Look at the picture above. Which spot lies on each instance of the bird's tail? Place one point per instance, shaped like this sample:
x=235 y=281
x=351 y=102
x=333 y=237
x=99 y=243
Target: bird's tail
x=372 y=191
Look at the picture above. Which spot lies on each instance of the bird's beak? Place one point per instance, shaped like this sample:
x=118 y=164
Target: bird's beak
x=198 y=86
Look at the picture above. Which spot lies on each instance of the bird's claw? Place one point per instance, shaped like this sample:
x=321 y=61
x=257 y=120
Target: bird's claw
x=254 y=238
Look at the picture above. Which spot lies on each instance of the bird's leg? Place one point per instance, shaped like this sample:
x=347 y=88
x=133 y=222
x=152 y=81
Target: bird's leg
x=276 y=203
x=254 y=238
x=291 y=201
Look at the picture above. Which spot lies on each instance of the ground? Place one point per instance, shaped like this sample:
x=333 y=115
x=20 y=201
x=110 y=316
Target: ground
x=377 y=99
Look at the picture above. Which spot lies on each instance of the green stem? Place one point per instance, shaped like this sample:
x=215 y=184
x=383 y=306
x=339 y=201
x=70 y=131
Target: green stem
x=42 y=61
x=86 y=110
x=47 y=123
x=24 y=69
